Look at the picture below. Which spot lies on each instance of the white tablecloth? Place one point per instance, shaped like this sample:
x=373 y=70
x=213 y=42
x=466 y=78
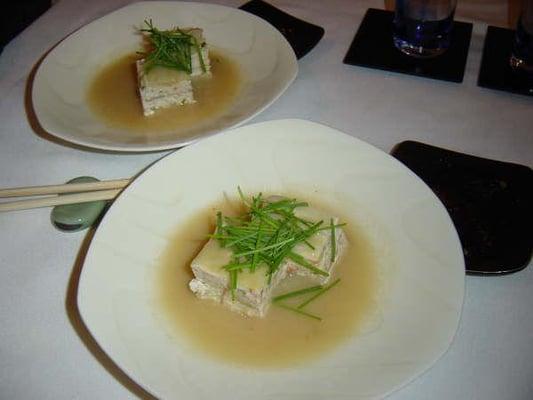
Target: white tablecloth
x=44 y=354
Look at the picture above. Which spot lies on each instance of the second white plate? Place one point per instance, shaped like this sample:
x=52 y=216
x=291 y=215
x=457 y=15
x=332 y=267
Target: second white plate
x=266 y=60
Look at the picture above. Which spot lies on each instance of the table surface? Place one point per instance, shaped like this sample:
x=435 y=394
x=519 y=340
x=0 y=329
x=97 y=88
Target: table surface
x=45 y=353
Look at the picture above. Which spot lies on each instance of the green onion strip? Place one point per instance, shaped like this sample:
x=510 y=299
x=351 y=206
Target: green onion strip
x=171 y=49
x=266 y=236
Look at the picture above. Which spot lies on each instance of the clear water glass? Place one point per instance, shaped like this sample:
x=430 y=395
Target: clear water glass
x=422 y=28
x=522 y=53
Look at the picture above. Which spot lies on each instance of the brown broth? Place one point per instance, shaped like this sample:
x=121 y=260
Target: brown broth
x=113 y=96
x=282 y=338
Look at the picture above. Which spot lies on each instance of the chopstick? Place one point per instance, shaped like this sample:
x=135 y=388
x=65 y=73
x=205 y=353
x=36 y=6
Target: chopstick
x=79 y=193
x=66 y=188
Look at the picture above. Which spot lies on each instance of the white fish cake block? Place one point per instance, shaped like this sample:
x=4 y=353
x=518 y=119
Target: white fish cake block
x=254 y=291
x=166 y=87
x=162 y=88
x=320 y=254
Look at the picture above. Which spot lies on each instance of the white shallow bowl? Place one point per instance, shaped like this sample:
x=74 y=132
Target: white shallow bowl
x=420 y=261
x=264 y=56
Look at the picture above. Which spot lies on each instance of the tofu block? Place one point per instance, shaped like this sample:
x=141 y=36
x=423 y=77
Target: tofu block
x=162 y=88
x=254 y=292
x=165 y=87
x=320 y=254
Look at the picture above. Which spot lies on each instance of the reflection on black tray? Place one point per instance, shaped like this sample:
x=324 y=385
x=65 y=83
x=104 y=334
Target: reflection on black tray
x=373 y=47
x=301 y=35
x=490 y=203
x=496 y=72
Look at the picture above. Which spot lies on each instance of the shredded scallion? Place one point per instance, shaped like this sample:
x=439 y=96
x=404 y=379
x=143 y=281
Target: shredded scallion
x=171 y=49
x=318 y=294
x=298 y=311
x=265 y=236
x=296 y=293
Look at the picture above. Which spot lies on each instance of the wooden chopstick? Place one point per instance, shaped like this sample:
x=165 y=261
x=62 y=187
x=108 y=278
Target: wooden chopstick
x=66 y=188
x=51 y=201
x=79 y=193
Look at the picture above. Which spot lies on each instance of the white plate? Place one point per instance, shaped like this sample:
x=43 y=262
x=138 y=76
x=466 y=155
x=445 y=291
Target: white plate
x=267 y=62
x=421 y=264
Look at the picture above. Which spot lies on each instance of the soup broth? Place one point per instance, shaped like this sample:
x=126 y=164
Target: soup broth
x=113 y=95
x=282 y=338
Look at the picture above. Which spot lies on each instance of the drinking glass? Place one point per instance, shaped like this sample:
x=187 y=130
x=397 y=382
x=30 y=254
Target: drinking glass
x=522 y=53
x=422 y=28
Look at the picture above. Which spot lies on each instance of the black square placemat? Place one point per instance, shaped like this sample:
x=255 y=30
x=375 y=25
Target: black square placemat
x=495 y=71
x=490 y=203
x=301 y=35
x=373 y=47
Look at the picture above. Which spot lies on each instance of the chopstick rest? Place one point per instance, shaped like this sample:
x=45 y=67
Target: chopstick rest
x=78 y=216
x=301 y=35
x=78 y=203
x=490 y=203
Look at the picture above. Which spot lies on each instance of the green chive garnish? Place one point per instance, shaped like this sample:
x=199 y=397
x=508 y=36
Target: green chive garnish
x=262 y=249
x=265 y=236
x=199 y=52
x=171 y=49
x=241 y=195
x=306 y=264
x=219 y=228
x=318 y=294
x=298 y=311
x=237 y=266
x=233 y=283
x=297 y=293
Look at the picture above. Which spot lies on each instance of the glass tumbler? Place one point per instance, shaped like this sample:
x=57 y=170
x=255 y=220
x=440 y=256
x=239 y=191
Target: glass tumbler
x=422 y=28
x=522 y=52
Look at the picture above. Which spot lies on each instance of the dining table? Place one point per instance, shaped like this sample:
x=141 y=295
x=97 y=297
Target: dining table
x=46 y=352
